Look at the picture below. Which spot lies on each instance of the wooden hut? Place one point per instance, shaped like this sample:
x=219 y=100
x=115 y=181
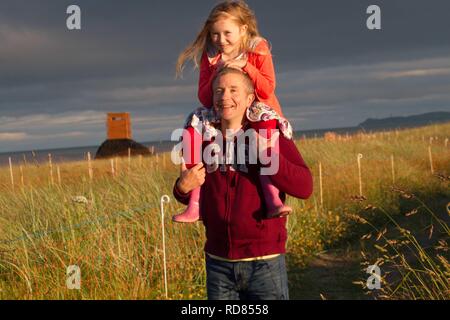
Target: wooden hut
x=118 y=126
x=119 y=138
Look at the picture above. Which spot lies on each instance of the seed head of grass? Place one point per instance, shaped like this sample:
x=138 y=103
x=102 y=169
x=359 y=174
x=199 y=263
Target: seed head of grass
x=80 y=199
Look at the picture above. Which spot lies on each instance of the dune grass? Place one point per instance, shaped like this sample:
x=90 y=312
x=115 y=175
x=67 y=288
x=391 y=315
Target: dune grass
x=115 y=235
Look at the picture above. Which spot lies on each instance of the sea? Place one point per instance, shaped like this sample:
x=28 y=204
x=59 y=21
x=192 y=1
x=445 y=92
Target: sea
x=80 y=153
x=69 y=154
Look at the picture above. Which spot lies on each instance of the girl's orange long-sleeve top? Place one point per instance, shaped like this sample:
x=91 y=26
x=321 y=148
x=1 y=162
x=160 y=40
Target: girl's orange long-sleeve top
x=259 y=68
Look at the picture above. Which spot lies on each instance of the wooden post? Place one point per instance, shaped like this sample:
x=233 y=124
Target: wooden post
x=11 y=173
x=393 y=171
x=90 y=170
x=320 y=184
x=59 y=174
x=51 y=167
x=446 y=142
x=164 y=199
x=431 y=159
x=129 y=159
x=359 y=173
x=34 y=156
x=21 y=176
x=112 y=168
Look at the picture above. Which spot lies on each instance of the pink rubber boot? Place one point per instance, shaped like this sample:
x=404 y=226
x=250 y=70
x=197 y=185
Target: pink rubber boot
x=192 y=212
x=192 y=141
x=275 y=207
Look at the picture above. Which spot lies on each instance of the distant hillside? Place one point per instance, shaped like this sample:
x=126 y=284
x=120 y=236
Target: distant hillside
x=408 y=121
x=381 y=124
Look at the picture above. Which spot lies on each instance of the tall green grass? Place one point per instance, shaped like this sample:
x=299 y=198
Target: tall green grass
x=116 y=237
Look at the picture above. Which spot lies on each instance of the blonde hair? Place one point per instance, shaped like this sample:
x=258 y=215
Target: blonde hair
x=239 y=12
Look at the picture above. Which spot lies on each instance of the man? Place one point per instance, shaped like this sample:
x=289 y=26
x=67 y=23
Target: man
x=244 y=250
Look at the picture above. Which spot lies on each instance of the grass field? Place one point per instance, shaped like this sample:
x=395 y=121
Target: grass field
x=400 y=222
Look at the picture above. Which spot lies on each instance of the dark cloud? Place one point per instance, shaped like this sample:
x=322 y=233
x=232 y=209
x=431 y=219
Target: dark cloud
x=123 y=59
x=145 y=37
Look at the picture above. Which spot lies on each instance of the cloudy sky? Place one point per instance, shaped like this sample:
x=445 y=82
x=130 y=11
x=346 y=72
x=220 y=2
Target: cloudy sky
x=56 y=85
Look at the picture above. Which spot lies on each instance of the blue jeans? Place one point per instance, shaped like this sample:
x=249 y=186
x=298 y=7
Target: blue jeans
x=250 y=280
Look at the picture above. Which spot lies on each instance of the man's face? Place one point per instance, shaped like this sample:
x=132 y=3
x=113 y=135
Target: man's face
x=231 y=98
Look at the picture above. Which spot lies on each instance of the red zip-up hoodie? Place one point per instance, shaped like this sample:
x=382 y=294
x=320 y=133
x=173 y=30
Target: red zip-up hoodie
x=233 y=209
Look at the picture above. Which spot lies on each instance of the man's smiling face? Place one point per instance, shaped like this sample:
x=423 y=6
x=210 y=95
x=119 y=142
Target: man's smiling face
x=231 y=97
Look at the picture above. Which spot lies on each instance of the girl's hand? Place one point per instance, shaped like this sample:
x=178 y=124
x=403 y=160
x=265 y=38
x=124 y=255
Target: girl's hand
x=192 y=178
x=219 y=65
x=236 y=64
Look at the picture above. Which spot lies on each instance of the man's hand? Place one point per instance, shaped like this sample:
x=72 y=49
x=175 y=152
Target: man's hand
x=192 y=178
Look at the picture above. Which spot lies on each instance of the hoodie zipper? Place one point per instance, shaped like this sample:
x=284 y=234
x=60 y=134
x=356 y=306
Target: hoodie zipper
x=227 y=211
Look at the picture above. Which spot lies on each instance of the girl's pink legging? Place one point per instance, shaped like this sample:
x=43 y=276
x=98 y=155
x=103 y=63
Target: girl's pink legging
x=192 y=147
x=192 y=141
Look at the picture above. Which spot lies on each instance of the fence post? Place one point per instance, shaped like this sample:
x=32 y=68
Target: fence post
x=431 y=159
x=320 y=184
x=393 y=170
x=164 y=199
x=129 y=159
x=112 y=168
x=21 y=176
x=359 y=173
x=51 y=168
x=58 y=171
x=90 y=170
x=11 y=173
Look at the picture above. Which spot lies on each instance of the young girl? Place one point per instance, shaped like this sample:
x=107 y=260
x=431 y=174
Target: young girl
x=230 y=38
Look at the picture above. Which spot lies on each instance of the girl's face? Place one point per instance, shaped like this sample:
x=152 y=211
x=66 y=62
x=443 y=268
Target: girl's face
x=227 y=35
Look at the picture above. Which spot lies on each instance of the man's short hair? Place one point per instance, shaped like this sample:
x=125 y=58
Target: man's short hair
x=250 y=88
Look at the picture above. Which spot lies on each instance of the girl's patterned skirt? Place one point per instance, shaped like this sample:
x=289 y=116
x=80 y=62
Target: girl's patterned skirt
x=206 y=121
